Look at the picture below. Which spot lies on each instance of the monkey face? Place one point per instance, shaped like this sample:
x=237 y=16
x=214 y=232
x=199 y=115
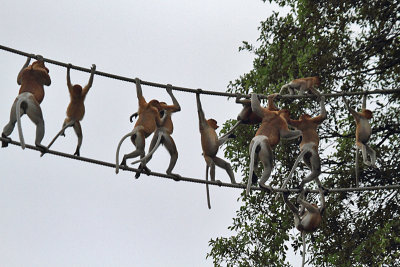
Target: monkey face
x=212 y=123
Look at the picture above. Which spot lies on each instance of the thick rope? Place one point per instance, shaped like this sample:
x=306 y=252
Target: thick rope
x=199 y=181
x=190 y=90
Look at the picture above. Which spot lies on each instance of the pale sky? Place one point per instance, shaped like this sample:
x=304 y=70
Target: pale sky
x=62 y=212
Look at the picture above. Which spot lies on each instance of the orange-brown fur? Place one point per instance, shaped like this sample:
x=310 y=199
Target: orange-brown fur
x=32 y=79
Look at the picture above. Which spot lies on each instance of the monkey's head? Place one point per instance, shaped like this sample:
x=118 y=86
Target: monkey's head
x=76 y=89
x=212 y=123
x=367 y=113
x=155 y=104
x=304 y=117
x=39 y=65
x=317 y=82
x=162 y=105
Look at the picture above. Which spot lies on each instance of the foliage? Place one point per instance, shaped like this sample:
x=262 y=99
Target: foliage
x=351 y=46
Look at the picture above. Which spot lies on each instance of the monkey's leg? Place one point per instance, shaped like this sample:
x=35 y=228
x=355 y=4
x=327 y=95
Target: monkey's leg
x=152 y=145
x=10 y=125
x=173 y=152
x=266 y=158
x=229 y=134
x=211 y=164
x=372 y=155
x=34 y=112
x=139 y=142
x=365 y=154
x=226 y=166
x=78 y=131
x=308 y=206
x=314 y=163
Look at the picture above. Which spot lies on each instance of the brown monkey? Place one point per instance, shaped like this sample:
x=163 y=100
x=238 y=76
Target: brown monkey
x=363 y=131
x=32 y=78
x=308 y=217
x=163 y=134
x=302 y=84
x=76 y=108
x=146 y=124
x=309 y=144
x=272 y=128
x=210 y=145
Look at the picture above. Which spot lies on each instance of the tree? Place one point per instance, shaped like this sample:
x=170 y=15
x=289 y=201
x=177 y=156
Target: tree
x=351 y=46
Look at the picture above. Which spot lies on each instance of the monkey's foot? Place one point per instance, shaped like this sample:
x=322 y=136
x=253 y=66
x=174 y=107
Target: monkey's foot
x=42 y=148
x=325 y=190
x=266 y=187
x=175 y=176
x=232 y=136
x=285 y=194
x=218 y=182
x=77 y=153
x=5 y=143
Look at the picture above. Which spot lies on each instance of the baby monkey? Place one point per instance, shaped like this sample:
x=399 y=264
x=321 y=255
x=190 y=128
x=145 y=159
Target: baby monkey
x=302 y=85
x=76 y=108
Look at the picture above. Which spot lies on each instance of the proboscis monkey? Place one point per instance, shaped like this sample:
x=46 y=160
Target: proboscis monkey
x=32 y=78
x=308 y=217
x=302 y=84
x=76 y=108
x=309 y=144
x=210 y=145
x=146 y=124
x=273 y=127
x=363 y=133
x=163 y=134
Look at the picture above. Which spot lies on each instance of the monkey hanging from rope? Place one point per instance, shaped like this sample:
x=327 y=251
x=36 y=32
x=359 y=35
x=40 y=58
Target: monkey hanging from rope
x=163 y=134
x=76 y=108
x=31 y=78
x=302 y=85
x=308 y=217
x=273 y=127
x=148 y=120
x=210 y=144
x=309 y=144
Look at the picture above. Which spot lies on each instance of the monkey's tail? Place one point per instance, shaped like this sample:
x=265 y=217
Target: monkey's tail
x=158 y=142
x=356 y=166
x=134 y=131
x=69 y=124
x=304 y=151
x=303 y=237
x=257 y=142
x=207 y=189
x=286 y=86
x=22 y=98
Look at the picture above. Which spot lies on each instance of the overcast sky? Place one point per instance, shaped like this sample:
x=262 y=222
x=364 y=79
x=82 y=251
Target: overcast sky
x=61 y=212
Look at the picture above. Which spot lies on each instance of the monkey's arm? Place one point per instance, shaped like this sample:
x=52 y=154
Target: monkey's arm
x=202 y=119
x=176 y=107
x=322 y=116
x=271 y=104
x=142 y=101
x=69 y=84
x=290 y=204
x=350 y=109
x=19 y=77
x=255 y=106
x=364 y=104
x=90 y=83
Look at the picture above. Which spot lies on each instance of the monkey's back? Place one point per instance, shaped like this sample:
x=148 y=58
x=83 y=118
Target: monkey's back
x=209 y=141
x=147 y=119
x=32 y=83
x=76 y=109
